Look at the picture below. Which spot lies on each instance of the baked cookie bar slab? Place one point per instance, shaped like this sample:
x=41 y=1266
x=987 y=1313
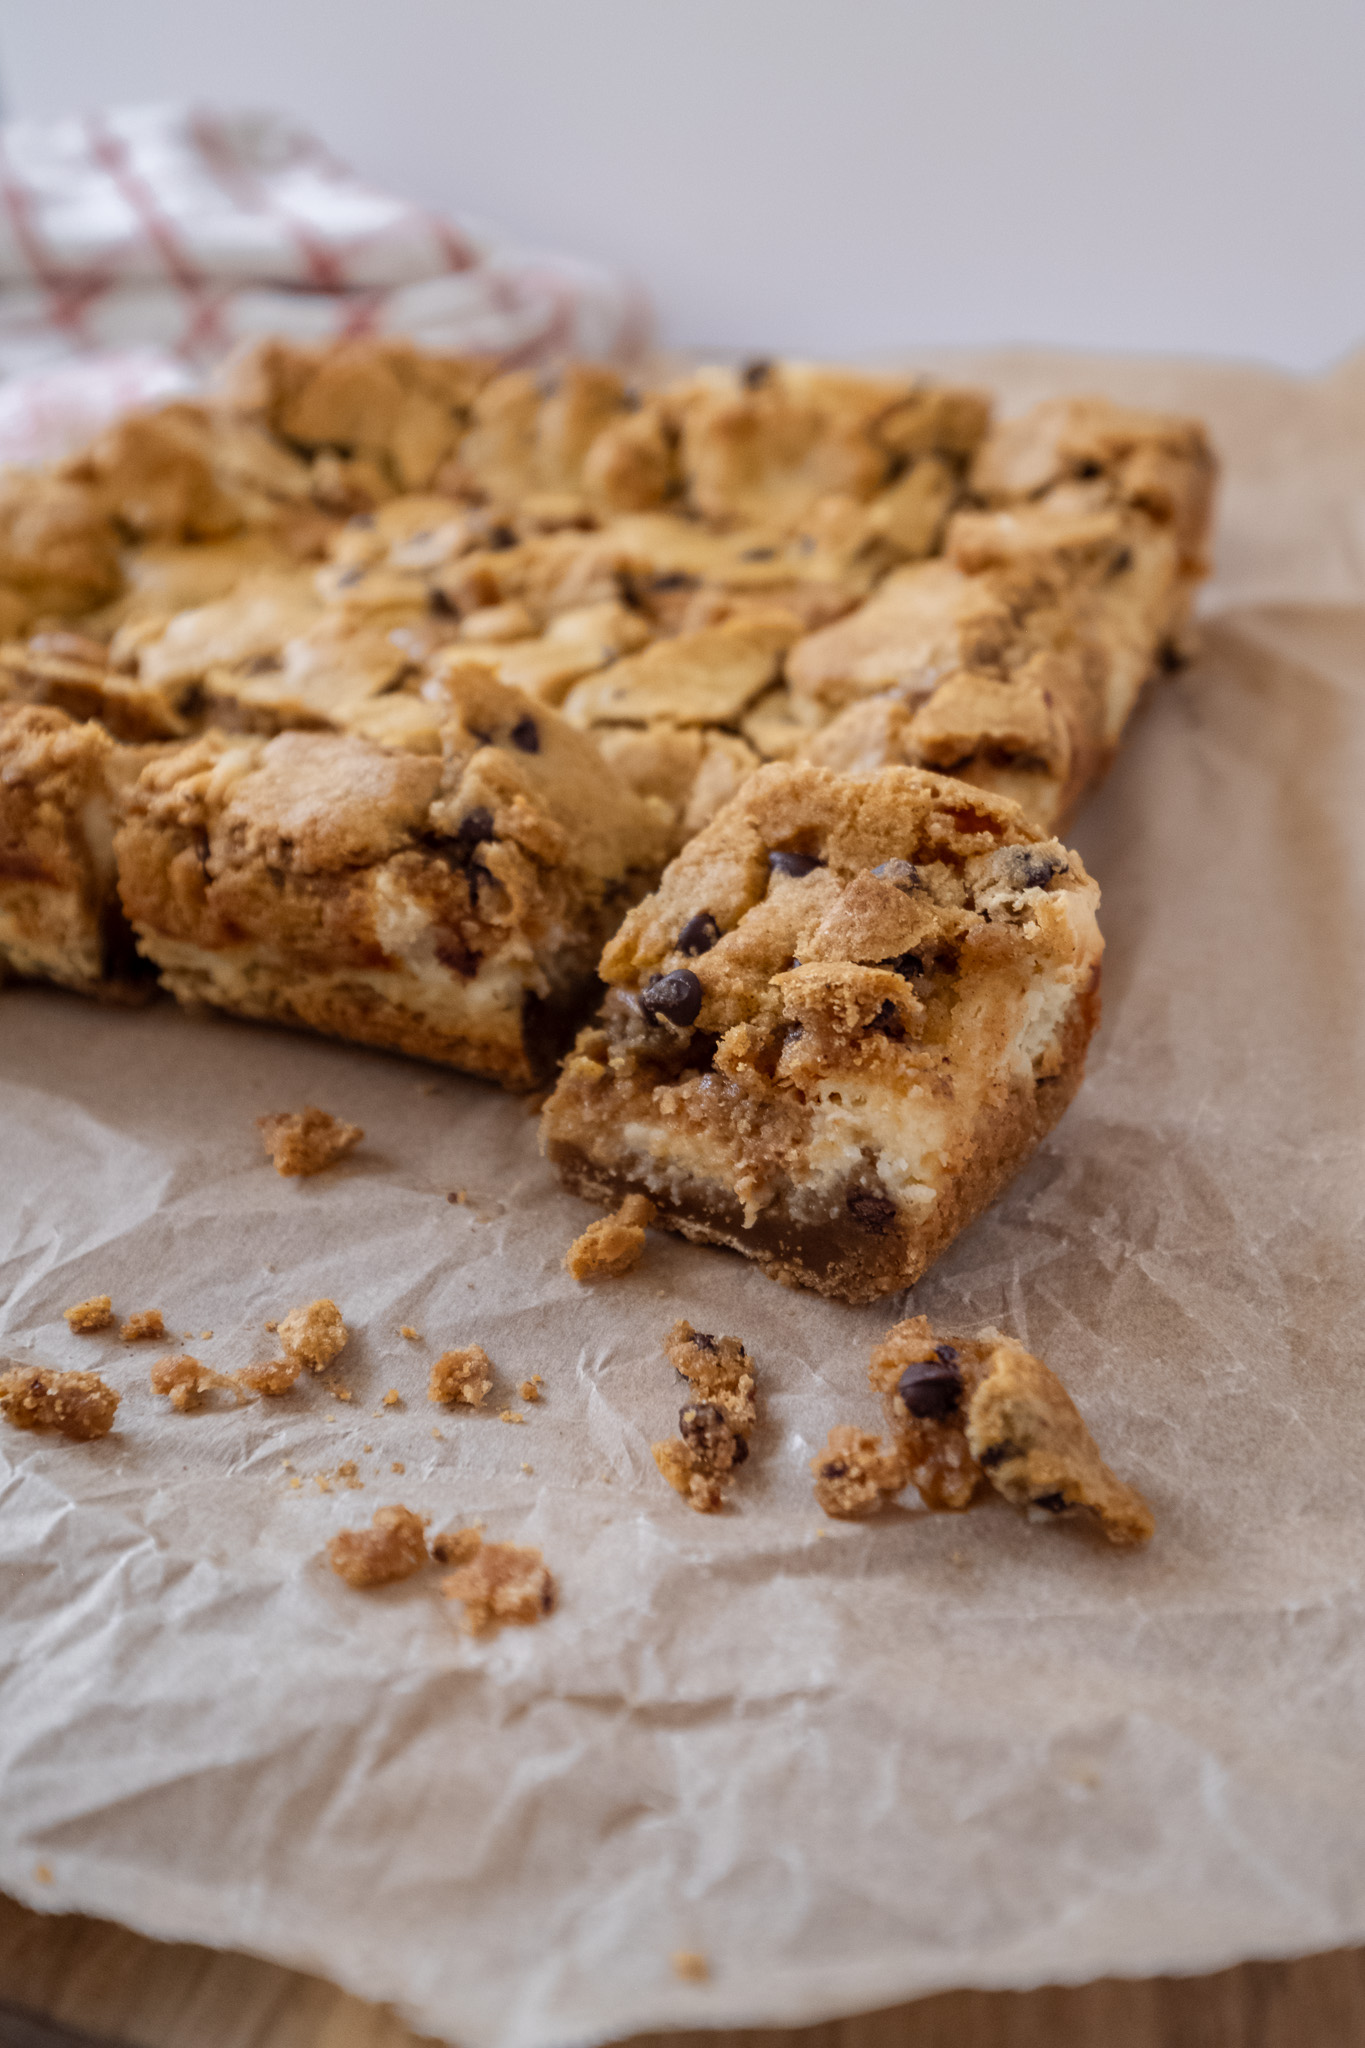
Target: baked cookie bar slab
x=450 y=907
x=849 y=1013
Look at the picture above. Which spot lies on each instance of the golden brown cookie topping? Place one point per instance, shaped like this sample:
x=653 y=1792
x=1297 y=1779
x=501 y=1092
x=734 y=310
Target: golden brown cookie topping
x=76 y=1404
x=612 y=1246
x=87 y=1316
x=463 y=1377
x=306 y=1140
x=393 y=1547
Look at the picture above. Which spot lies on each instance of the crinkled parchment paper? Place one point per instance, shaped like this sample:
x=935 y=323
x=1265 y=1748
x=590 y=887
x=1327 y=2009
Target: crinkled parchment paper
x=849 y=1763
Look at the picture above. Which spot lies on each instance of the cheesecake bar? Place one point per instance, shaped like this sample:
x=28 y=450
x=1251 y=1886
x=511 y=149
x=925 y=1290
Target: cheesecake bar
x=449 y=906
x=61 y=788
x=850 y=1011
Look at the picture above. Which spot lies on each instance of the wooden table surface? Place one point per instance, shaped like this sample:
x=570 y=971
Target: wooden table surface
x=66 y=1982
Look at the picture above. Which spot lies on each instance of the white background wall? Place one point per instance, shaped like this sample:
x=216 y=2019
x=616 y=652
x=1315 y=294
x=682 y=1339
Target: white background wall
x=826 y=175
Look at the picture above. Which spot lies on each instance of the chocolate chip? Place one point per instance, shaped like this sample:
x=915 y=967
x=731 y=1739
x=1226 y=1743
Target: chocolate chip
x=700 y=1423
x=1034 y=870
x=1055 y=1503
x=903 y=873
x=932 y=1388
x=795 y=864
x=500 y=538
x=756 y=373
x=996 y=1454
x=833 y=1468
x=741 y=1451
x=439 y=604
x=673 y=579
x=526 y=735
x=1088 y=470
x=1122 y=562
x=675 y=997
x=1170 y=657
x=699 y=934
x=703 y=1340
x=875 y=1212
x=888 y=1022
x=474 y=828
x=908 y=966
x=263 y=664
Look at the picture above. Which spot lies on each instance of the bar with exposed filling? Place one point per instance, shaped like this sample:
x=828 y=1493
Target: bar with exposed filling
x=449 y=906
x=844 y=1020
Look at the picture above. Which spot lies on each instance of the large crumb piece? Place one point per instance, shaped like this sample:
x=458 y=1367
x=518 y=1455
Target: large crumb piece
x=499 y=1582
x=314 y=1335
x=699 y=1462
x=611 y=1246
x=77 y=1404
x=145 y=1323
x=272 y=1377
x=855 y=1473
x=185 y=1381
x=306 y=1140
x=87 y=1316
x=461 y=1376
x=718 y=1369
x=966 y=1413
x=393 y=1547
x=690 y=1966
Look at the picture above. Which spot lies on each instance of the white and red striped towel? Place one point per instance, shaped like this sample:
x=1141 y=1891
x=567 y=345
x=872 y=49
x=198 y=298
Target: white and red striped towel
x=139 y=245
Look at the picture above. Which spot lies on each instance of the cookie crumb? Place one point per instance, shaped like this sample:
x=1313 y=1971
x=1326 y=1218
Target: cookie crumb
x=611 y=1246
x=88 y=1316
x=529 y=1390
x=272 y=1377
x=700 y=1462
x=497 y=1582
x=75 y=1404
x=185 y=1382
x=406 y=1330
x=348 y=1473
x=439 y=1435
x=393 y=1547
x=398 y=1466
x=272 y=1327
x=393 y=1399
x=305 y=1141
x=692 y=1967
x=314 y=1335
x=205 y=1336
x=527 y=1468
x=456 y=1546
x=511 y=1415
x=42 y=1873
x=458 y=1196
x=339 y=1394
x=144 y=1323
x=461 y=1376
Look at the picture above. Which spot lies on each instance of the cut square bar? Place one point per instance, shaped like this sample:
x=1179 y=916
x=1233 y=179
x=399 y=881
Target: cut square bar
x=845 y=1019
